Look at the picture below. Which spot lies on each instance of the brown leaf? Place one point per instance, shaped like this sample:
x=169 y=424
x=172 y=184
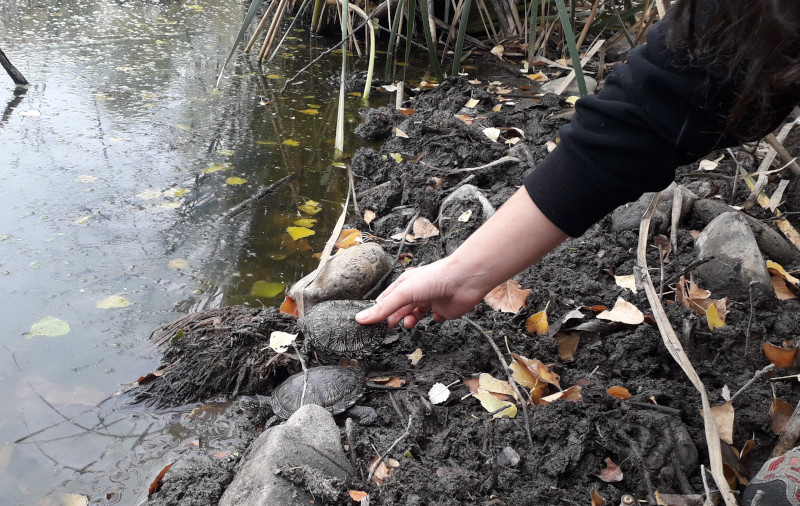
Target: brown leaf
x=781 y=357
x=612 y=473
x=597 y=499
x=662 y=242
x=149 y=377
x=392 y=381
x=222 y=454
x=779 y=412
x=416 y=356
x=724 y=415
x=508 y=297
x=357 y=495
x=619 y=392
x=157 y=482
x=539 y=370
x=382 y=471
x=289 y=306
x=423 y=228
x=782 y=290
x=573 y=394
x=369 y=215
x=537 y=323
x=623 y=312
x=349 y=237
x=567 y=345
x=406 y=111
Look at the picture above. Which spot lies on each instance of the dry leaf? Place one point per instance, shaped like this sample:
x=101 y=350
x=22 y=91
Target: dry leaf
x=781 y=357
x=539 y=77
x=623 y=312
x=567 y=345
x=222 y=454
x=612 y=473
x=494 y=405
x=416 y=356
x=438 y=393
x=628 y=282
x=508 y=297
x=399 y=133
x=539 y=370
x=149 y=377
x=349 y=237
x=619 y=392
x=492 y=133
x=779 y=412
x=465 y=216
x=707 y=165
x=778 y=270
x=663 y=244
x=537 y=323
x=406 y=111
x=382 y=471
x=782 y=290
x=550 y=146
x=723 y=415
x=715 y=315
x=289 y=306
x=389 y=381
x=573 y=394
x=159 y=479
x=498 y=51
x=280 y=341
x=492 y=385
x=423 y=228
x=369 y=215
x=471 y=103
x=357 y=495
x=597 y=499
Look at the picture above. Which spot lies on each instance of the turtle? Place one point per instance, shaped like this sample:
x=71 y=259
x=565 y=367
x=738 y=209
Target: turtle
x=335 y=388
x=332 y=332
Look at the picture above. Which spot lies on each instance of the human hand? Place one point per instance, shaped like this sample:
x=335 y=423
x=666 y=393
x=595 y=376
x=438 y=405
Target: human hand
x=437 y=287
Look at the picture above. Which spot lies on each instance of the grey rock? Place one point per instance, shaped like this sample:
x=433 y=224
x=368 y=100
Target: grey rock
x=737 y=260
x=309 y=438
x=770 y=242
x=572 y=89
x=508 y=457
x=467 y=198
x=629 y=216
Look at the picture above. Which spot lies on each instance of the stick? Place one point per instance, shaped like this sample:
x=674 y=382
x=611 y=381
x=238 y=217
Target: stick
x=705 y=484
x=500 y=161
x=260 y=194
x=749 y=333
x=305 y=373
x=353 y=188
x=510 y=377
x=15 y=74
x=675 y=349
x=787 y=158
x=789 y=435
x=396 y=257
x=752 y=380
x=374 y=466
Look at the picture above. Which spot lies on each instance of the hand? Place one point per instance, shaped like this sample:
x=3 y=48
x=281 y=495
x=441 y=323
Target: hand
x=437 y=287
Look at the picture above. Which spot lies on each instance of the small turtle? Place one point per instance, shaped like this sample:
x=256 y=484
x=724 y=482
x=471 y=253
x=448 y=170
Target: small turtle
x=335 y=388
x=332 y=332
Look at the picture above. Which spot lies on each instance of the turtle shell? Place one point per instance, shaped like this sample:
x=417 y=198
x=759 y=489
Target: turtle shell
x=332 y=387
x=331 y=330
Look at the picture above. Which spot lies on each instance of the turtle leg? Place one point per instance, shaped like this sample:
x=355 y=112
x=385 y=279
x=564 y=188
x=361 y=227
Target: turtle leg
x=365 y=414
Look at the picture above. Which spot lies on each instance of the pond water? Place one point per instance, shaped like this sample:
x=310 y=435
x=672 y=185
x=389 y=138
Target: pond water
x=116 y=166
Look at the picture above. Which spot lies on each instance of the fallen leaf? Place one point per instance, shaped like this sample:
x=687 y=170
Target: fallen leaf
x=291 y=142
x=781 y=357
x=628 y=282
x=465 y=216
x=382 y=471
x=157 y=482
x=389 y=381
x=32 y=113
x=492 y=404
x=349 y=237
x=492 y=133
x=778 y=270
x=779 y=412
x=369 y=215
x=49 y=326
x=498 y=51
x=497 y=108
x=311 y=207
x=539 y=77
x=177 y=264
x=573 y=394
x=112 y=302
x=550 y=146
x=623 y=312
x=782 y=290
x=235 y=180
x=492 y=385
x=508 y=297
x=539 y=370
x=714 y=316
x=357 y=495
x=707 y=165
x=310 y=112
x=471 y=103
x=597 y=499
x=619 y=392
x=423 y=228
x=397 y=157
x=406 y=111
x=537 y=323
x=280 y=341
x=416 y=356
x=299 y=232
x=612 y=473
x=438 y=393
x=149 y=377
x=399 y=133
x=567 y=345
x=723 y=416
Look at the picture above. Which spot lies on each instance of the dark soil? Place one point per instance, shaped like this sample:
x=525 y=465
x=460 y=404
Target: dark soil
x=455 y=452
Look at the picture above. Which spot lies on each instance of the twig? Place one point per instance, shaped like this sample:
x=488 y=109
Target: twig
x=749 y=333
x=657 y=407
x=352 y=188
x=260 y=194
x=305 y=373
x=374 y=466
x=705 y=484
x=351 y=440
x=675 y=349
x=752 y=380
x=677 y=204
x=373 y=189
x=700 y=261
x=787 y=158
x=789 y=435
x=396 y=257
x=511 y=381
x=396 y=406
x=500 y=161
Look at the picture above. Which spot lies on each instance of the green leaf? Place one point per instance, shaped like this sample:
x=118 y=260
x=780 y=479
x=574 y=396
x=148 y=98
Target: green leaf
x=235 y=180
x=267 y=289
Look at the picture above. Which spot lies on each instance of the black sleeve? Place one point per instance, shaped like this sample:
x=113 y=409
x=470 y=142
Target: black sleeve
x=656 y=112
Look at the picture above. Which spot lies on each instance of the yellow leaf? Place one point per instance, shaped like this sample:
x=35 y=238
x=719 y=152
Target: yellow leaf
x=623 y=312
x=508 y=297
x=310 y=112
x=235 y=180
x=305 y=222
x=778 y=270
x=537 y=323
x=416 y=356
x=266 y=289
x=349 y=237
x=491 y=404
x=291 y=142
x=299 y=232
x=715 y=320
x=177 y=264
x=49 y=326
x=112 y=302
x=539 y=77
x=497 y=108
x=397 y=157
x=311 y=207
x=226 y=152
x=214 y=167
x=491 y=384
x=539 y=370
x=522 y=375
x=471 y=103
x=571 y=100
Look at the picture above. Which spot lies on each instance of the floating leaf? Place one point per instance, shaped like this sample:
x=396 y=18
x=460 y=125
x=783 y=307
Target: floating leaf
x=305 y=222
x=290 y=142
x=112 y=302
x=623 y=312
x=234 y=180
x=567 y=345
x=369 y=215
x=438 y=393
x=49 y=326
x=177 y=264
x=310 y=112
x=399 y=133
x=508 y=297
x=194 y=7
x=612 y=473
x=619 y=392
x=299 y=232
x=86 y=179
x=267 y=289
x=73 y=500
x=148 y=194
x=226 y=152
x=280 y=341
x=781 y=357
x=215 y=167
x=628 y=282
x=537 y=323
x=492 y=404
x=779 y=412
x=311 y=207
x=31 y=113
x=416 y=356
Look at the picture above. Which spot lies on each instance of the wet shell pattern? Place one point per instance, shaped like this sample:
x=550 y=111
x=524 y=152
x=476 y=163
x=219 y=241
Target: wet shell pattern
x=331 y=330
x=332 y=387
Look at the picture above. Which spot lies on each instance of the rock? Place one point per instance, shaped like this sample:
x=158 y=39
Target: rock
x=310 y=439
x=508 y=457
x=737 y=260
x=460 y=214
x=770 y=242
x=349 y=274
x=572 y=89
x=629 y=216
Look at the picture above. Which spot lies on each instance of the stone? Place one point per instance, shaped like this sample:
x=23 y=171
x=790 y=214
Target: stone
x=460 y=214
x=629 y=216
x=737 y=260
x=770 y=241
x=572 y=88
x=508 y=457
x=309 y=438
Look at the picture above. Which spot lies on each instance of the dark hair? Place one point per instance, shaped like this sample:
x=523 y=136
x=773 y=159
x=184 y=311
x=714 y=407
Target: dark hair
x=755 y=43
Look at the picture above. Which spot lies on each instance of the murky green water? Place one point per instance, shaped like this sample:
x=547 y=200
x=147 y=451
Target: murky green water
x=115 y=168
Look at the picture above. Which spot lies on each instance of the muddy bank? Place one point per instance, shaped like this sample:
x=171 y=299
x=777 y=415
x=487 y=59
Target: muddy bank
x=456 y=453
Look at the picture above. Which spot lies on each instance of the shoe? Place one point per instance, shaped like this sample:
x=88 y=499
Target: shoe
x=777 y=483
